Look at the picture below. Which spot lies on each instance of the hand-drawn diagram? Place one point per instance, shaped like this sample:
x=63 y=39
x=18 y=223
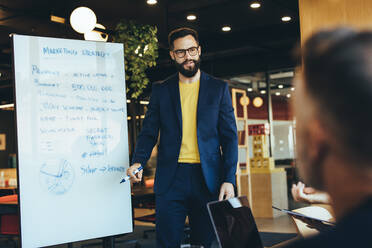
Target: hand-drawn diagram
x=57 y=176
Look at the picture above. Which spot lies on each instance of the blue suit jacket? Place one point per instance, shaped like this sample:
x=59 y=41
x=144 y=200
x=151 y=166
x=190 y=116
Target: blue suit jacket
x=216 y=132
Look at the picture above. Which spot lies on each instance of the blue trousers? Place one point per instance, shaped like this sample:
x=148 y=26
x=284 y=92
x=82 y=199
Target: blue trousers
x=187 y=196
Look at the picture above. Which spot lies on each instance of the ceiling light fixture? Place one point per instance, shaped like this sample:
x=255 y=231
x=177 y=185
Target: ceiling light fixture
x=288 y=74
x=263 y=92
x=292 y=89
x=255 y=5
x=286 y=18
x=280 y=86
x=250 y=89
x=226 y=28
x=152 y=2
x=83 y=20
x=191 y=17
x=57 y=19
x=4 y=106
x=257 y=102
x=277 y=93
x=288 y=95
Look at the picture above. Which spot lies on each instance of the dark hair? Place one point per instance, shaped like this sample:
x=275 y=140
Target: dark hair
x=337 y=67
x=180 y=33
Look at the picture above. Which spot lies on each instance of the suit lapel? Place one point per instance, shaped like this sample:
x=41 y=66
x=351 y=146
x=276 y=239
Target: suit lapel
x=174 y=90
x=203 y=89
x=175 y=95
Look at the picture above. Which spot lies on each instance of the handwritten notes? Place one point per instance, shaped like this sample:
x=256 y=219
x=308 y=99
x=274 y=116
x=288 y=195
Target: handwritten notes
x=72 y=139
x=76 y=101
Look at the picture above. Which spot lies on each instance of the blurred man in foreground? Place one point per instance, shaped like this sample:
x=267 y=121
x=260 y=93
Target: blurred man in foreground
x=333 y=104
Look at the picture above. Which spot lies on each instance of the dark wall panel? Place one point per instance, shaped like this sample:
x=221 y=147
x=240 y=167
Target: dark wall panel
x=7 y=126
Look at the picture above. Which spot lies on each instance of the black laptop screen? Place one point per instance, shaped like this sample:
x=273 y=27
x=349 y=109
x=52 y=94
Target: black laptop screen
x=234 y=223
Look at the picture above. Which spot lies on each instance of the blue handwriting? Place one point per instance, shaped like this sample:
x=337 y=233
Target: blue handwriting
x=101 y=54
x=36 y=70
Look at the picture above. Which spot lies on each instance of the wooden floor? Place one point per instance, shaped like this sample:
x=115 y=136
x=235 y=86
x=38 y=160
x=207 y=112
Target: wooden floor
x=282 y=224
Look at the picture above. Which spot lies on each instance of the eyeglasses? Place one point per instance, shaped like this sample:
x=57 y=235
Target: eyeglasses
x=180 y=53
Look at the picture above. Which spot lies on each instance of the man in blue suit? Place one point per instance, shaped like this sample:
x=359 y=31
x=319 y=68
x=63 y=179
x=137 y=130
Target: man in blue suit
x=198 y=148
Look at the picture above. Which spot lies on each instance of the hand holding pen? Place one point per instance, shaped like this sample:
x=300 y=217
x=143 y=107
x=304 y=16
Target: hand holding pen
x=134 y=173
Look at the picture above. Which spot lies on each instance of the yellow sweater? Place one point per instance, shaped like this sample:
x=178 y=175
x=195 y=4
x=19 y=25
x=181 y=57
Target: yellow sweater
x=189 y=93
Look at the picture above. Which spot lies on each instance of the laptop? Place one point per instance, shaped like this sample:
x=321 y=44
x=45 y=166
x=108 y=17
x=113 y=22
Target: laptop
x=234 y=224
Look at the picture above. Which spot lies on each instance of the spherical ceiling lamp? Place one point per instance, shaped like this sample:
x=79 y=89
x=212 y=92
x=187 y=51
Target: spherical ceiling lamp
x=96 y=35
x=257 y=102
x=244 y=101
x=226 y=28
x=152 y=2
x=83 y=20
x=286 y=18
x=191 y=17
x=255 y=5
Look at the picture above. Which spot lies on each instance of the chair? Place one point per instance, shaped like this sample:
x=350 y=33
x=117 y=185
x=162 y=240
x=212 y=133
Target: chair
x=145 y=199
x=150 y=218
x=9 y=219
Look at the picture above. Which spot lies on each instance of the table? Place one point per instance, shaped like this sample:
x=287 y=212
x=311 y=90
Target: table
x=143 y=197
x=9 y=207
x=8 y=191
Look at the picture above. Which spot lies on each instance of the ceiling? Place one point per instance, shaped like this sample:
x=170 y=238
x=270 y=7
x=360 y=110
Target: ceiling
x=259 y=39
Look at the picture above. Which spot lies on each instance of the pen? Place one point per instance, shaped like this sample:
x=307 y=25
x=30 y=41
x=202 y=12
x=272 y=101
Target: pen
x=135 y=172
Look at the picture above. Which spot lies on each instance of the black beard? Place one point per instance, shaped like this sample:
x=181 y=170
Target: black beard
x=185 y=72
